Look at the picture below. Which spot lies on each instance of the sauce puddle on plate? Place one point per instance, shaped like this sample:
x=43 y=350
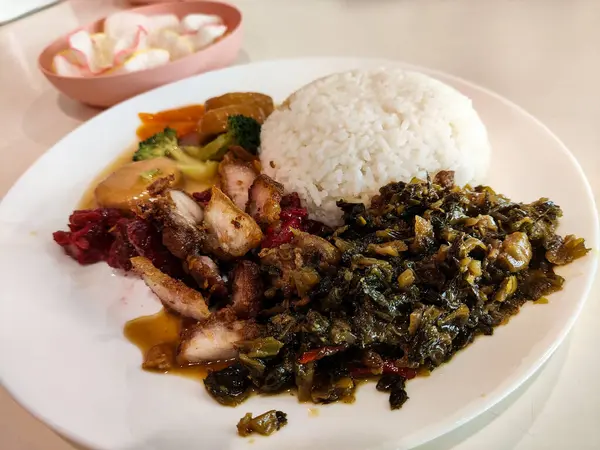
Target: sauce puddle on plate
x=164 y=328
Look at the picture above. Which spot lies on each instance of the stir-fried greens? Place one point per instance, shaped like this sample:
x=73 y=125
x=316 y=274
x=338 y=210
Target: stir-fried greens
x=416 y=277
x=265 y=424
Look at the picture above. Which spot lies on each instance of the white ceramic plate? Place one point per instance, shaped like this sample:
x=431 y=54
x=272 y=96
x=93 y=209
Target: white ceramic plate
x=65 y=358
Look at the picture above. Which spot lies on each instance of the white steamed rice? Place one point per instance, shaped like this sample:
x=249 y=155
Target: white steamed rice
x=346 y=135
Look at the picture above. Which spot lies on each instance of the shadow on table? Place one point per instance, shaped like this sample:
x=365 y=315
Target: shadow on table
x=76 y=110
x=242 y=58
x=45 y=131
x=551 y=369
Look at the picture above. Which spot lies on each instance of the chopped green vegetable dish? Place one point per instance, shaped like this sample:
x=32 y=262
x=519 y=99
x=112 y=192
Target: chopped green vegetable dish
x=423 y=271
x=265 y=424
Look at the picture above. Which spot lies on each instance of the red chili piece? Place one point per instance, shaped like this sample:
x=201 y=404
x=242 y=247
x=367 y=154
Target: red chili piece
x=319 y=353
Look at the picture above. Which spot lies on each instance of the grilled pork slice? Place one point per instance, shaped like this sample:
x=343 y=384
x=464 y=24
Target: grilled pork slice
x=206 y=273
x=214 y=339
x=181 y=217
x=173 y=294
x=237 y=176
x=264 y=197
x=247 y=290
x=231 y=232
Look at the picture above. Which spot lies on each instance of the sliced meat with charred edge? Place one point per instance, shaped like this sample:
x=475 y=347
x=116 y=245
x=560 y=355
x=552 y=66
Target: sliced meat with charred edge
x=161 y=185
x=231 y=232
x=180 y=216
x=206 y=273
x=237 y=176
x=264 y=199
x=214 y=339
x=173 y=294
x=247 y=289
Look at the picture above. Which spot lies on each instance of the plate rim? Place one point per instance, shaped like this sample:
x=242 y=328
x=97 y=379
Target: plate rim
x=492 y=398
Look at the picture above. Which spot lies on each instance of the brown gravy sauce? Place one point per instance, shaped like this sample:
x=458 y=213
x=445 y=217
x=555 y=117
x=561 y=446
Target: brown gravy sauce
x=164 y=328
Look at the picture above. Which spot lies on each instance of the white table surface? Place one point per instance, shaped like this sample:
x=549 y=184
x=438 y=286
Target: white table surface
x=542 y=54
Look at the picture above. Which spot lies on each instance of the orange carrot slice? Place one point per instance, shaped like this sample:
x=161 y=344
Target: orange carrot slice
x=150 y=129
x=191 y=113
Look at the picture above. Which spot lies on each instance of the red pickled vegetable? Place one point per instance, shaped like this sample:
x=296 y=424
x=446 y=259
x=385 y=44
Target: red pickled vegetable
x=121 y=250
x=292 y=216
x=288 y=214
x=202 y=197
x=90 y=238
x=147 y=241
x=291 y=201
x=113 y=236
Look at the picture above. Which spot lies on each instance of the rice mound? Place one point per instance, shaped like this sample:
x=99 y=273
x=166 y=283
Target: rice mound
x=346 y=135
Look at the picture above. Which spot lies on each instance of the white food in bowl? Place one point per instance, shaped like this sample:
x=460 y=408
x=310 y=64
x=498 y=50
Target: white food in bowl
x=345 y=135
x=126 y=34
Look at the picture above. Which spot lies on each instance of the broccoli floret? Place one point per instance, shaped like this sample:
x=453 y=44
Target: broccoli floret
x=160 y=144
x=241 y=130
x=214 y=150
x=245 y=132
x=164 y=144
x=199 y=162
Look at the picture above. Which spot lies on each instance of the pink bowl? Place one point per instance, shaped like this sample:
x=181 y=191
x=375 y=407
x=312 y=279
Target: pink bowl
x=148 y=2
x=107 y=90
